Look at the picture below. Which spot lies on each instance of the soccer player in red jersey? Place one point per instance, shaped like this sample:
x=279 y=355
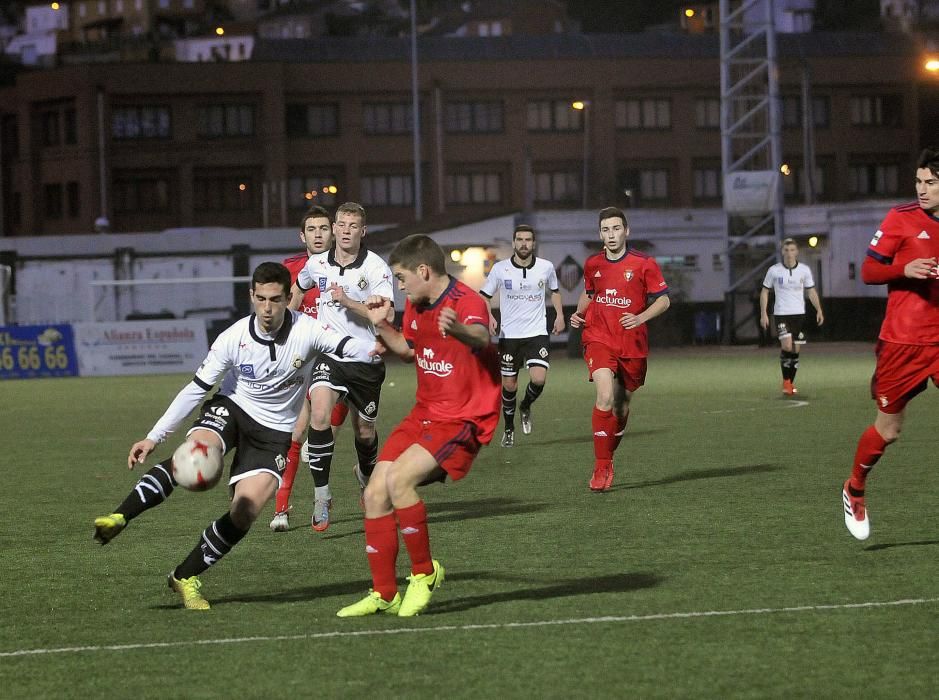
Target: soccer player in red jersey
x=903 y=255
x=445 y=332
x=623 y=289
x=316 y=233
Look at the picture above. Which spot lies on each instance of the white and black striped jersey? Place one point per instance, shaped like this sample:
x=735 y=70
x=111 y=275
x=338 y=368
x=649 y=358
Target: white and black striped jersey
x=265 y=375
x=789 y=285
x=368 y=274
x=523 y=292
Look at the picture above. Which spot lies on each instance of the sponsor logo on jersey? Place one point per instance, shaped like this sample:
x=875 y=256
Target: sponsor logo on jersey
x=321 y=283
x=628 y=275
x=280 y=463
x=471 y=318
x=780 y=281
x=923 y=236
x=413 y=325
x=438 y=368
x=610 y=299
x=876 y=238
x=371 y=408
x=596 y=274
x=507 y=357
x=508 y=284
x=409 y=530
x=297 y=362
x=540 y=284
x=543 y=352
x=220 y=411
x=883 y=401
x=246 y=371
x=362 y=283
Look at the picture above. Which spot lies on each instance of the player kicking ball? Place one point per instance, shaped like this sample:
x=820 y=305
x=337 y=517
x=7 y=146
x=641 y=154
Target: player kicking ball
x=266 y=360
x=445 y=333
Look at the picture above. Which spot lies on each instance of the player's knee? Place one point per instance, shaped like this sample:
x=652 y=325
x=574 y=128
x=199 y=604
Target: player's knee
x=209 y=437
x=510 y=383
x=890 y=433
x=244 y=510
x=365 y=431
x=376 y=496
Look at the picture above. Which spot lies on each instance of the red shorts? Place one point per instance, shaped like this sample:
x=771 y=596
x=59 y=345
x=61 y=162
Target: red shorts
x=452 y=443
x=631 y=370
x=903 y=371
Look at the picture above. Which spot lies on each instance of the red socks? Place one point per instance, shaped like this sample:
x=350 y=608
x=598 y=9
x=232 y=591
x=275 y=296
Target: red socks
x=338 y=416
x=381 y=545
x=620 y=429
x=283 y=493
x=413 y=524
x=870 y=448
x=604 y=434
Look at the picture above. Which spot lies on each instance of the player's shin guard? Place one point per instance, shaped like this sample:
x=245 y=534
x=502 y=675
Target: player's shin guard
x=216 y=541
x=367 y=454
x=412 y=521
x=784 y=364
x=620 y=429
x=320 y=451
x=381 y=545
x=508 y=408
x=532 y=392
x=870 y=448
x=793 y=365
x=604 y=433
x=283 y=493
x=153 y=488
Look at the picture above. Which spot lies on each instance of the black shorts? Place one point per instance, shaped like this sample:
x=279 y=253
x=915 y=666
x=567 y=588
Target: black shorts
x=791 y=325
x=515 y=352
x=359 y=382
x=257 y=447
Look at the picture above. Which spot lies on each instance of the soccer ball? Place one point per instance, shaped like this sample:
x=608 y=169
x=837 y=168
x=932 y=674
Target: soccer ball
x=197 y=466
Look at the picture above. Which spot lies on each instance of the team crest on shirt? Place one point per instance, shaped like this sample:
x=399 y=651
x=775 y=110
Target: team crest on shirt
x=876 y=238
x=508 y=284
x=362 y=283
x=322 y=284
x=246 y=371
x=297 y=362
x=628 y=275
x=540 y=284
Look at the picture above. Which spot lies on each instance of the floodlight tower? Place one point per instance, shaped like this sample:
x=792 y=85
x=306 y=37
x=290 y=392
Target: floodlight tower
x=751 y=146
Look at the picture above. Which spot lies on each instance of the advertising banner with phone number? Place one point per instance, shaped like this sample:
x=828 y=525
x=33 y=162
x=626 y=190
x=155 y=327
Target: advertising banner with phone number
x=27 y=352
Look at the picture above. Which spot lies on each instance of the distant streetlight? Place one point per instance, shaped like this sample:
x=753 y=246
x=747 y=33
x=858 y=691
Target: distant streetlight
x=582 y=106
x=785 y=169
x=55 y=6
x=220 y=31
x=932 y=65
x=813 y=241
x=689 y=12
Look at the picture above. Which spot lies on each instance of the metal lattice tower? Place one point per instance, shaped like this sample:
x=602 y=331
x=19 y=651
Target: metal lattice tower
x=751 y=142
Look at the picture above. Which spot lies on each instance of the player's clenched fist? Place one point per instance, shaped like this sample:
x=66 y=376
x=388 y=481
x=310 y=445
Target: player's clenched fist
x=446 y=320
x=378 y=308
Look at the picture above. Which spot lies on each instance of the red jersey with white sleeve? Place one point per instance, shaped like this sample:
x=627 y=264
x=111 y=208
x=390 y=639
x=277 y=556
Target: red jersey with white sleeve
x=295 y=263
x=907 y=233
x=454 y=381
x=625 y=285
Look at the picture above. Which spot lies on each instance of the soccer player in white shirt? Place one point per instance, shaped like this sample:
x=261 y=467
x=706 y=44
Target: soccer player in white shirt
x=346 y=276
x=523 y=283
x=791 y=281
x=265 y=360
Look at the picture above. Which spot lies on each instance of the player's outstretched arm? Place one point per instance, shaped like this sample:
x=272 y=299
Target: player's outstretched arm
x=380 y=311
x=476 y=335
x=139 y=451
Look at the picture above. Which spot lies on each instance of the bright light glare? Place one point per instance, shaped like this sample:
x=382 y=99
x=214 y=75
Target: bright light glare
x=579 y=105
x=220 y=31
x=932 y=65
x=785 y=169
x=813 y=241
x=242 y=187
x=456 y=255
x=689 y=13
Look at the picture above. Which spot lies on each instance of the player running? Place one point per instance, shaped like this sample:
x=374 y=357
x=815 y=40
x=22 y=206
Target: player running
x=523 y=282
x=445 y=333
x=623 y=290
x=903 y=255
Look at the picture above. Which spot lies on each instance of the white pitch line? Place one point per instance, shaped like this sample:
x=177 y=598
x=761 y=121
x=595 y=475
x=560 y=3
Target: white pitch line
x=492 y=626
x=792 y=403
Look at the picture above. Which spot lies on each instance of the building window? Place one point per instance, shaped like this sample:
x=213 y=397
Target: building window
x=475 y=188
x=312 y=120
x=874 y=178
x=645 y=186
x=219 y=121
x=49 y=122
x=562 y=186
x=230 y=192
x=792 y=112
x=707 y=183
x=676 y=263
x=140 y=122
x=72 y=201
x=9 y=136
x=876 y=110
x=304 y=192
x=553 y=115
x=707 y=113
x=141 y=194
x=473 y=117
x=70 y=129
x=387 y=190
x=52 y=200
x=643 y=114
x=387 y=118
x=794 y=183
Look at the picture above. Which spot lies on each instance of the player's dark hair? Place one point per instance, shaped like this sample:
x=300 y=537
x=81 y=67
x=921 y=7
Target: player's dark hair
x=268 y=272
x=352 y=208
x=418 y=249
x=929 y=158
x=610 y=213
x=314 y=212
x=524 y=228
